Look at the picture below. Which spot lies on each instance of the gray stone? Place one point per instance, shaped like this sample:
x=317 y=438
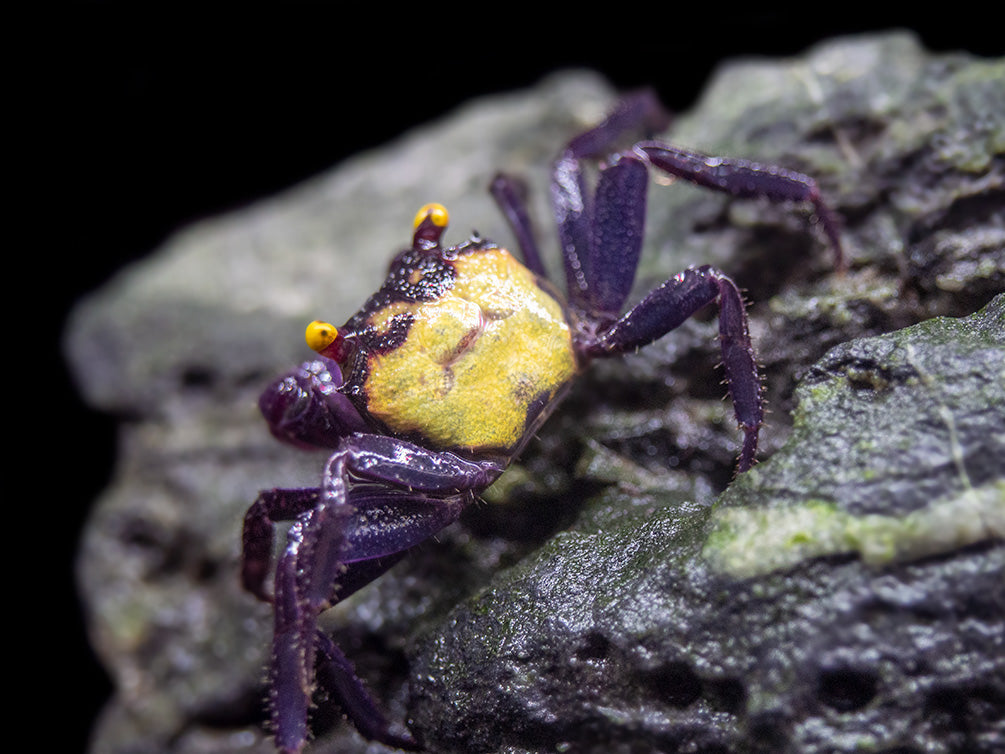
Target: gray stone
x=847 y=595
x=601 y=597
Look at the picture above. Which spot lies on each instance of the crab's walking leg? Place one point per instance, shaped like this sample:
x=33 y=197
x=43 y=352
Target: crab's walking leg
x=290 y=673
x=667 y=307
x=509 y=194
x=747 y=179
x=593 y=261
x=343 y=535
x=300 y=650
x=581 y=219
x=256 y=553
x=361 y=566
x=336 y=674
x=423 y=474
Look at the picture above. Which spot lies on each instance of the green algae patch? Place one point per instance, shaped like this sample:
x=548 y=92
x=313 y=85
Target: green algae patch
x=749 y=542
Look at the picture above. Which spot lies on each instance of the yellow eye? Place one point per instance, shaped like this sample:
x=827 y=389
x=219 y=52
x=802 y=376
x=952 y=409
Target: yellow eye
x=320 y=334
x=437 y=213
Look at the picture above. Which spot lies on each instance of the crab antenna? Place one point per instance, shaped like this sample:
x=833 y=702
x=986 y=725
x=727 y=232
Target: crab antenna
x=430 y=222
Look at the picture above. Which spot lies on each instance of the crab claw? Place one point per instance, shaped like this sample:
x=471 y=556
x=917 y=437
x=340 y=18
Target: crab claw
x=305 y=408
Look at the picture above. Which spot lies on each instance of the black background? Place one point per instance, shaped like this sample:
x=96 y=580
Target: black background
x=150 y=116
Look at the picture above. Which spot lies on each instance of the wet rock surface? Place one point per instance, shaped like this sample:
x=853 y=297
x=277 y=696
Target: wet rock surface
x=846 y=594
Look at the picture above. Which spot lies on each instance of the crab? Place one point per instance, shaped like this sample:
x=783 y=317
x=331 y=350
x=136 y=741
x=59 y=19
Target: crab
x=437 y=383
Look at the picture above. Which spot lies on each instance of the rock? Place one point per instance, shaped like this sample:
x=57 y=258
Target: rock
x=848 y=594
x=908 y=148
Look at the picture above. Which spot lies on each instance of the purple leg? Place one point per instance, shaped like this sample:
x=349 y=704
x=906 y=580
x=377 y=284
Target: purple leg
x=300 y=650
x=601 y=234
x=351 y=532
x=293 y=648
x=640 y=112
x=616 y=234
x=509 y=195
x=361 y=565
x=337 y=676
x=747 y=179
x=270 y=507
x=675 y=301
x=602 y=241
x=581 y=228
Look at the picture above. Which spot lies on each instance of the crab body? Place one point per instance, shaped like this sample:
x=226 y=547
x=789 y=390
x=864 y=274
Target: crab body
x=429 y=391
x=450 y=328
